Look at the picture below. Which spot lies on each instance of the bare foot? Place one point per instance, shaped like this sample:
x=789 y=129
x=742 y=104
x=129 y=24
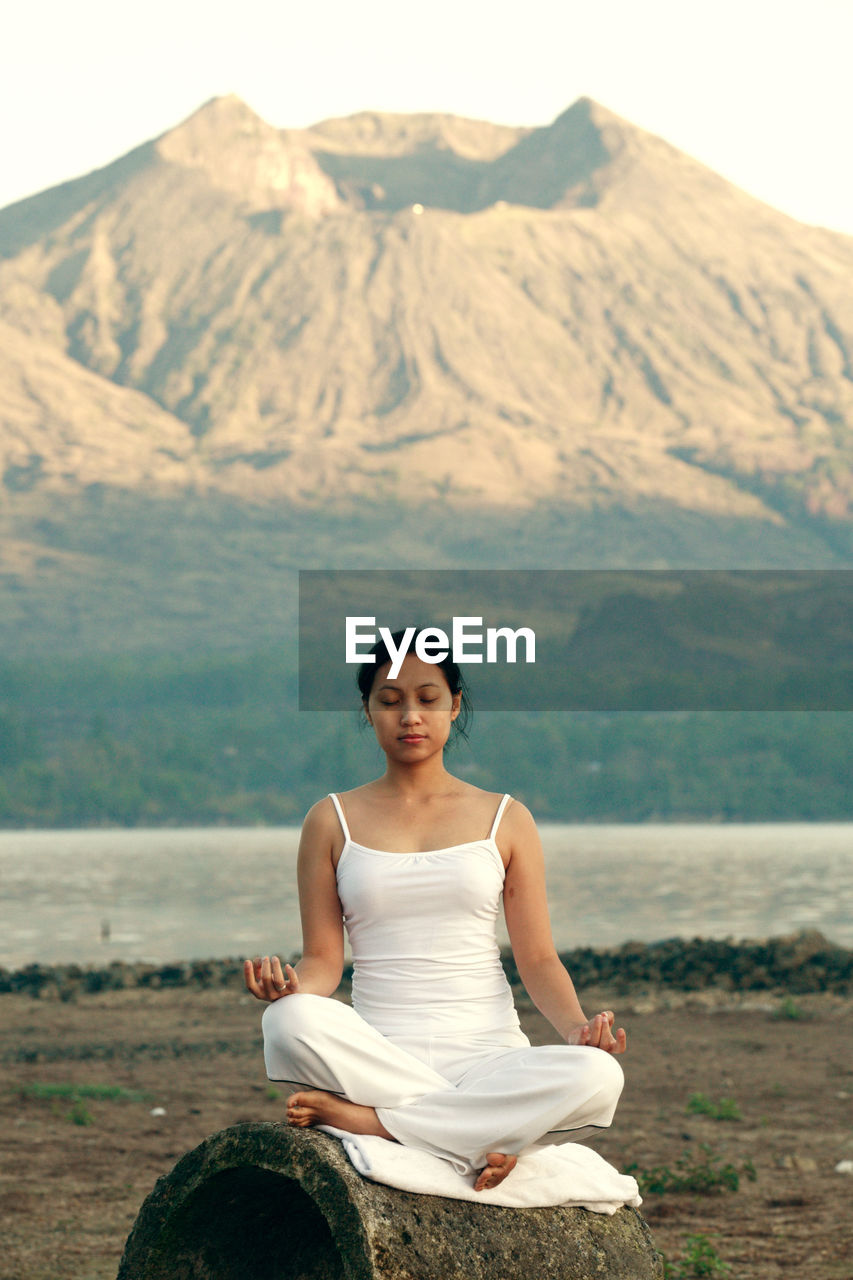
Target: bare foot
x=497 y=1168
x=315 y=1106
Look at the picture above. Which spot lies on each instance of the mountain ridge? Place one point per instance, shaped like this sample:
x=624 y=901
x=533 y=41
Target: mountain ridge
x=576 y=314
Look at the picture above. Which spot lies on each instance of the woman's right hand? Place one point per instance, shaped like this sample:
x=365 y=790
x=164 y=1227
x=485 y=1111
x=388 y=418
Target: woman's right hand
x=597 y=1033
x=267 y=980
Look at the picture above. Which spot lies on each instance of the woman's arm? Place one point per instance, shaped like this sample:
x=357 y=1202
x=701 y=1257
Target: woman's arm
x=320 y=969
x=539 y=967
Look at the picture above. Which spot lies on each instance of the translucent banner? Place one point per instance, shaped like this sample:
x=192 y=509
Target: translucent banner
x=591 y=640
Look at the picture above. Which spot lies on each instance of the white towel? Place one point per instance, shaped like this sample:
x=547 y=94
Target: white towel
x=567 y=1174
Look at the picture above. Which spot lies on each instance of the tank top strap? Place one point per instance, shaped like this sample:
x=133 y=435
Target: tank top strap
x=500 y=813
x=340 y=812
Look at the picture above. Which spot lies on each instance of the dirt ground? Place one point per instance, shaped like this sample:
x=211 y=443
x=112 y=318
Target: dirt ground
x=73 y=1173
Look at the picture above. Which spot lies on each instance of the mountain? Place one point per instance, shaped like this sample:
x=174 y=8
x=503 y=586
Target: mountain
x=579 y=312
x=563 y=342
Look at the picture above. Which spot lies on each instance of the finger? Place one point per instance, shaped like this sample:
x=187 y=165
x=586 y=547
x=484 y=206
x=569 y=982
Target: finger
x=617 y=1044
x=292 y=977
x=598 y=1030
x=279 y=981
x=250 y=977
x=266 y=979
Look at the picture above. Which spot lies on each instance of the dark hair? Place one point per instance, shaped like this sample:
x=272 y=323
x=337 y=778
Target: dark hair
x=456 y=682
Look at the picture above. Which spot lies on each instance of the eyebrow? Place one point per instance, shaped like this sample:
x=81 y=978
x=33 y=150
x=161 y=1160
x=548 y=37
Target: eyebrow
x=395 y=688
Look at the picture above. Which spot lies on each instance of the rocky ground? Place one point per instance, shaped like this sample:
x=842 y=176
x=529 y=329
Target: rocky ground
x=76 y=1163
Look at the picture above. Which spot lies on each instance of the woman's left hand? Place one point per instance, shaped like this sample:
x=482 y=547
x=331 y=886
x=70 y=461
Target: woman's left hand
x=267 y=980
x=597 y=1033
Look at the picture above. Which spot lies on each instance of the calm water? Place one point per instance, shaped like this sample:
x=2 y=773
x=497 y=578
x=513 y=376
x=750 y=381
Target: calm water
x=188 y=894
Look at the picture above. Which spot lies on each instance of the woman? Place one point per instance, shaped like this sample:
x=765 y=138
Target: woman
x=431 y=1054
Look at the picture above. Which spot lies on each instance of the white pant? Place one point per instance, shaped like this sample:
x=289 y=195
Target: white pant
x=458 y=1101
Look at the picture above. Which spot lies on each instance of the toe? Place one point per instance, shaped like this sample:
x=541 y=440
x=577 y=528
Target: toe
x=496 y=1169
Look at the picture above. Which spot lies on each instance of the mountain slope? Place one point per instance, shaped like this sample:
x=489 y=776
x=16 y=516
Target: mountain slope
x=421 y=308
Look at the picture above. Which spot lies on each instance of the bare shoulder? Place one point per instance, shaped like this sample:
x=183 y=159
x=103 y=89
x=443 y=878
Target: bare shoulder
x=517 y=836
x=321 y=816
x=489 y=802
x=321 y=828
x=519 y=821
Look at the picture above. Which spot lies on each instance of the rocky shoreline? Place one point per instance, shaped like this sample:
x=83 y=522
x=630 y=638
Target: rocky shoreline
x=795 y=964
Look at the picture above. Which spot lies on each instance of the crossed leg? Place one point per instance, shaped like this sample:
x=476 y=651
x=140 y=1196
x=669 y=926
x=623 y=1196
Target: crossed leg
x=316 y=1106
x=357 y=1080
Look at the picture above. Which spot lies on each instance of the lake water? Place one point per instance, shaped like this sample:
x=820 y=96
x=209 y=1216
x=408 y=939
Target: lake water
x=160 y=895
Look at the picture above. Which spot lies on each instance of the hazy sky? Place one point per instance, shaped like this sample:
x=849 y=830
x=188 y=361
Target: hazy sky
x=759 y=89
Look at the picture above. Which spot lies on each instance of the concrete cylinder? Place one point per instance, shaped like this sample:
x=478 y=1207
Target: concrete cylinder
x=268 y=1202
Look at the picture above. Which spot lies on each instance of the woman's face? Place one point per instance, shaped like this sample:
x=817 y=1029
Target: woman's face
x=412 y=713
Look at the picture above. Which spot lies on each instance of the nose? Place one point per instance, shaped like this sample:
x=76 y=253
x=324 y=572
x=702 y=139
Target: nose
x=410 y=713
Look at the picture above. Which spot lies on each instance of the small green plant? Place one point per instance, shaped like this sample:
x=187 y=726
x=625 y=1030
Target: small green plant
x=789 y=1010
x=705 y=1173
x=76 y=1095
x=80 y=1113
x=700 y=1259
x=699 y=1104
x=272 y=1093
x=109 y=1092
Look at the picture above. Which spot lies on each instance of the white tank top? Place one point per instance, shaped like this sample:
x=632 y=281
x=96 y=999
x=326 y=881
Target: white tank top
x=422 y=931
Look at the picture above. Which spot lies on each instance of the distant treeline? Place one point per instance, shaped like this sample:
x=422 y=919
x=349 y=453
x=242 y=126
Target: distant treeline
x=201 y=739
